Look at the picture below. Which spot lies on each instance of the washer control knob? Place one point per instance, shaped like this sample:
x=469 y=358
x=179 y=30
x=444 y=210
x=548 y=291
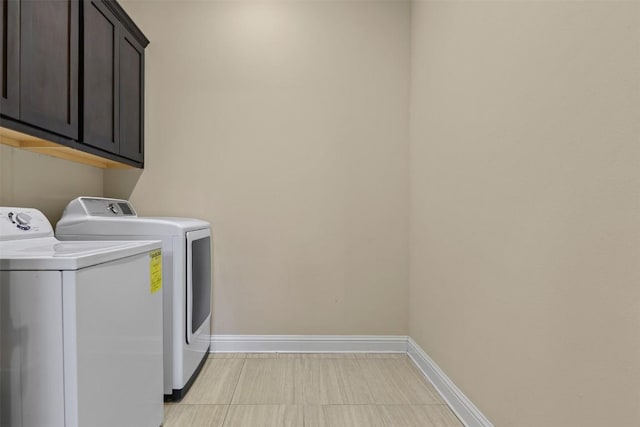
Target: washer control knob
x=23 y=219
x=113 y=209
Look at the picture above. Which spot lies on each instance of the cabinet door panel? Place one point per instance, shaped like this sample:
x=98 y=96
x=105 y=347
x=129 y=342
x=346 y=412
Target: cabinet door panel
x=100 y=92
x=9 y=71
x=131 y=98
x=49 y=65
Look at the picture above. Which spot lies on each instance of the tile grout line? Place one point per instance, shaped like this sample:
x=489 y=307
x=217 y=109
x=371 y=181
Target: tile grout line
x=377 y=405
x=300 y=371
x=226 y=414
x=302 y=396
x=366 y=381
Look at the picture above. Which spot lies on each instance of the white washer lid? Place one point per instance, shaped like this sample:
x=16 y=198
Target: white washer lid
x=49 y=253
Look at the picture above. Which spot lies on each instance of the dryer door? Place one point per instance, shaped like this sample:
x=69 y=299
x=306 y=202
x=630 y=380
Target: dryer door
x=198 y=281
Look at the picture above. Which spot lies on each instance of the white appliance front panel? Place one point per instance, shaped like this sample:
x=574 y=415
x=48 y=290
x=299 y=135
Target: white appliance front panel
x=31 y=352
x=81 y=348
x=193 y=238
x=186 y=355
x=180 y=358
x=118 y=344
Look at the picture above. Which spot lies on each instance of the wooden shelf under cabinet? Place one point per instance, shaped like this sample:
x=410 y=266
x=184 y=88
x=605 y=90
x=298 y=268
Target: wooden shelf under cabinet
x=37 y=145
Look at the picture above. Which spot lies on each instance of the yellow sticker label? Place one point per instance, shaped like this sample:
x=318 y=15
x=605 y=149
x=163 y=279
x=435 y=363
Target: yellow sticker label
x=155 y=267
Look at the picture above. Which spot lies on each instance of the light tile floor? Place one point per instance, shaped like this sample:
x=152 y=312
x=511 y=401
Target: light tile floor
x=310 y=390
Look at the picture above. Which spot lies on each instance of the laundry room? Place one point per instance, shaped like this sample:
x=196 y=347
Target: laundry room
x=360 y=213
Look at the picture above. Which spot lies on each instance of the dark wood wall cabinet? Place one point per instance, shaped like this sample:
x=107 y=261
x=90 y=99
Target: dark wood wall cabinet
x=73 y=75
x=10 y=29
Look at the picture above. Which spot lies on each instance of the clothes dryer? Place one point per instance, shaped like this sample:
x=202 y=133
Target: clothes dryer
x=186 y=269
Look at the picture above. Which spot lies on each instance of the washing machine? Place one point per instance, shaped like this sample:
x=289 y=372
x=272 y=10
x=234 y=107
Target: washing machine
x=186 y=269
x=80 y=334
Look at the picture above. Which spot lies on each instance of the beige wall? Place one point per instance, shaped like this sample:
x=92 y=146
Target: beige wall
x=284 y=124
x=525 y=217
x=42 y=182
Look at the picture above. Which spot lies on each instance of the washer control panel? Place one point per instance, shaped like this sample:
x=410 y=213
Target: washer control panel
x=23 y=223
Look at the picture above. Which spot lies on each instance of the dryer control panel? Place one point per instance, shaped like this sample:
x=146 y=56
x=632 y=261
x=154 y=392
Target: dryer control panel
x=99 y=206
x=23 y=223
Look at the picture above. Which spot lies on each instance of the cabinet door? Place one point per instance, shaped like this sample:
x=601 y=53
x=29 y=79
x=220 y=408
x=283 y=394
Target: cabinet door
x=131 y=98
x=49 y=65
x=9 y=71
x=101 y=50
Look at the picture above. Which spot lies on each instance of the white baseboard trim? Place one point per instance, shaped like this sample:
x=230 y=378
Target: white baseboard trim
x=308 y=344
x=464 y=409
